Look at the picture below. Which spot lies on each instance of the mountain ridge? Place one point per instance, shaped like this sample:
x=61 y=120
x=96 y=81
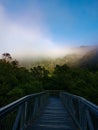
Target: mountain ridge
x=81 y=56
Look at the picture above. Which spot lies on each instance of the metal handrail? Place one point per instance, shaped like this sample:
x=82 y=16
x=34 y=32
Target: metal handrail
x=21 y=113
x=18 y=114
x=83 y=112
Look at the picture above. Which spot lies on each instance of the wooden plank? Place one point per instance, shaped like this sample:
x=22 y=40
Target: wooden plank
x=53 y=117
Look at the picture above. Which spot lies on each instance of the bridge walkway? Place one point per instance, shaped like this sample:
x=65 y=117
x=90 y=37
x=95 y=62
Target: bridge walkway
x=53 y=117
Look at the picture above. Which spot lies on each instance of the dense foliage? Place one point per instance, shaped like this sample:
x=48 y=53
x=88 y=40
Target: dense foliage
x=16 y=81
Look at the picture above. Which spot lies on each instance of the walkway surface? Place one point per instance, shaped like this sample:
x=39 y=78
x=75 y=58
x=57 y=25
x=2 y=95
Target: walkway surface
x=53 y=117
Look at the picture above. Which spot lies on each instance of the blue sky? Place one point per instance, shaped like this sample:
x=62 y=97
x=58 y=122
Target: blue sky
x=41 y=27
x=72 y=19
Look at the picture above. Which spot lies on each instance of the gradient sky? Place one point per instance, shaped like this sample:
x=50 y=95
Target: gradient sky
x=47 y=27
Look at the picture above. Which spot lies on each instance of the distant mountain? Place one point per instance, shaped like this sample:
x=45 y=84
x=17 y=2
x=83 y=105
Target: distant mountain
x=70 y=60
x=90 y=59
x=80 y=56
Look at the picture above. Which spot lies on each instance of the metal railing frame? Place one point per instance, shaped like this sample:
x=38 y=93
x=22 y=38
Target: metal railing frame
x=83 y=112
x=24 y=114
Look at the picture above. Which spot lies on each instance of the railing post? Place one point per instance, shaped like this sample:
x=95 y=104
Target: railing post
x=35 y=107
x=83 y=112
x=22 y=120
x=89 y=120
x=25 y=113
x=21 y=112
x=17 y=119
x=82 y=116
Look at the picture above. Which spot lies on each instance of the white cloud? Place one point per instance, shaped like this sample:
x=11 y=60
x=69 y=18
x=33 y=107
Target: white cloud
x=27 y=38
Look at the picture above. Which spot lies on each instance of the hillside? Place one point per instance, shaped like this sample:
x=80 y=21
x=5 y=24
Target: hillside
x=77 y=57
x=90 y=59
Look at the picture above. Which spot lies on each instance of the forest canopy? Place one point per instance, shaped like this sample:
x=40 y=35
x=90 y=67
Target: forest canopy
x=16 y=81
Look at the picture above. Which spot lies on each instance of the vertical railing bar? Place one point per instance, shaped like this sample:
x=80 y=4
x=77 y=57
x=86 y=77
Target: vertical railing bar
x=87 y=112
x=69 y=106
x=25 y=113
x=85 y=123
x=17 y=119
x=89 y=120
x=35 y=107
x=22 y=118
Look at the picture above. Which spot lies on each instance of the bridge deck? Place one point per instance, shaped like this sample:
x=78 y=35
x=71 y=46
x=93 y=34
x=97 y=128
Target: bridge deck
x=53 y=117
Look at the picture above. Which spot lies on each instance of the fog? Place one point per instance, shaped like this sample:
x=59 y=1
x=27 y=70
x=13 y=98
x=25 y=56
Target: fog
x=24 y=38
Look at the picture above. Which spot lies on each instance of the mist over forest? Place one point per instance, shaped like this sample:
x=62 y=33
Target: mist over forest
x=73 y=74
x=48 y=45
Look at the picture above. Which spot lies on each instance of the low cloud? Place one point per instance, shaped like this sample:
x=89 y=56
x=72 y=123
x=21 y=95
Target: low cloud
x=27 y=37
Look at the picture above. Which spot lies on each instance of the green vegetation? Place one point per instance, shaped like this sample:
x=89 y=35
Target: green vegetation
x=16 y=81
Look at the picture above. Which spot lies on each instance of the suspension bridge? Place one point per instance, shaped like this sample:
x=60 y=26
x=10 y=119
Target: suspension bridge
x=49 y=110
